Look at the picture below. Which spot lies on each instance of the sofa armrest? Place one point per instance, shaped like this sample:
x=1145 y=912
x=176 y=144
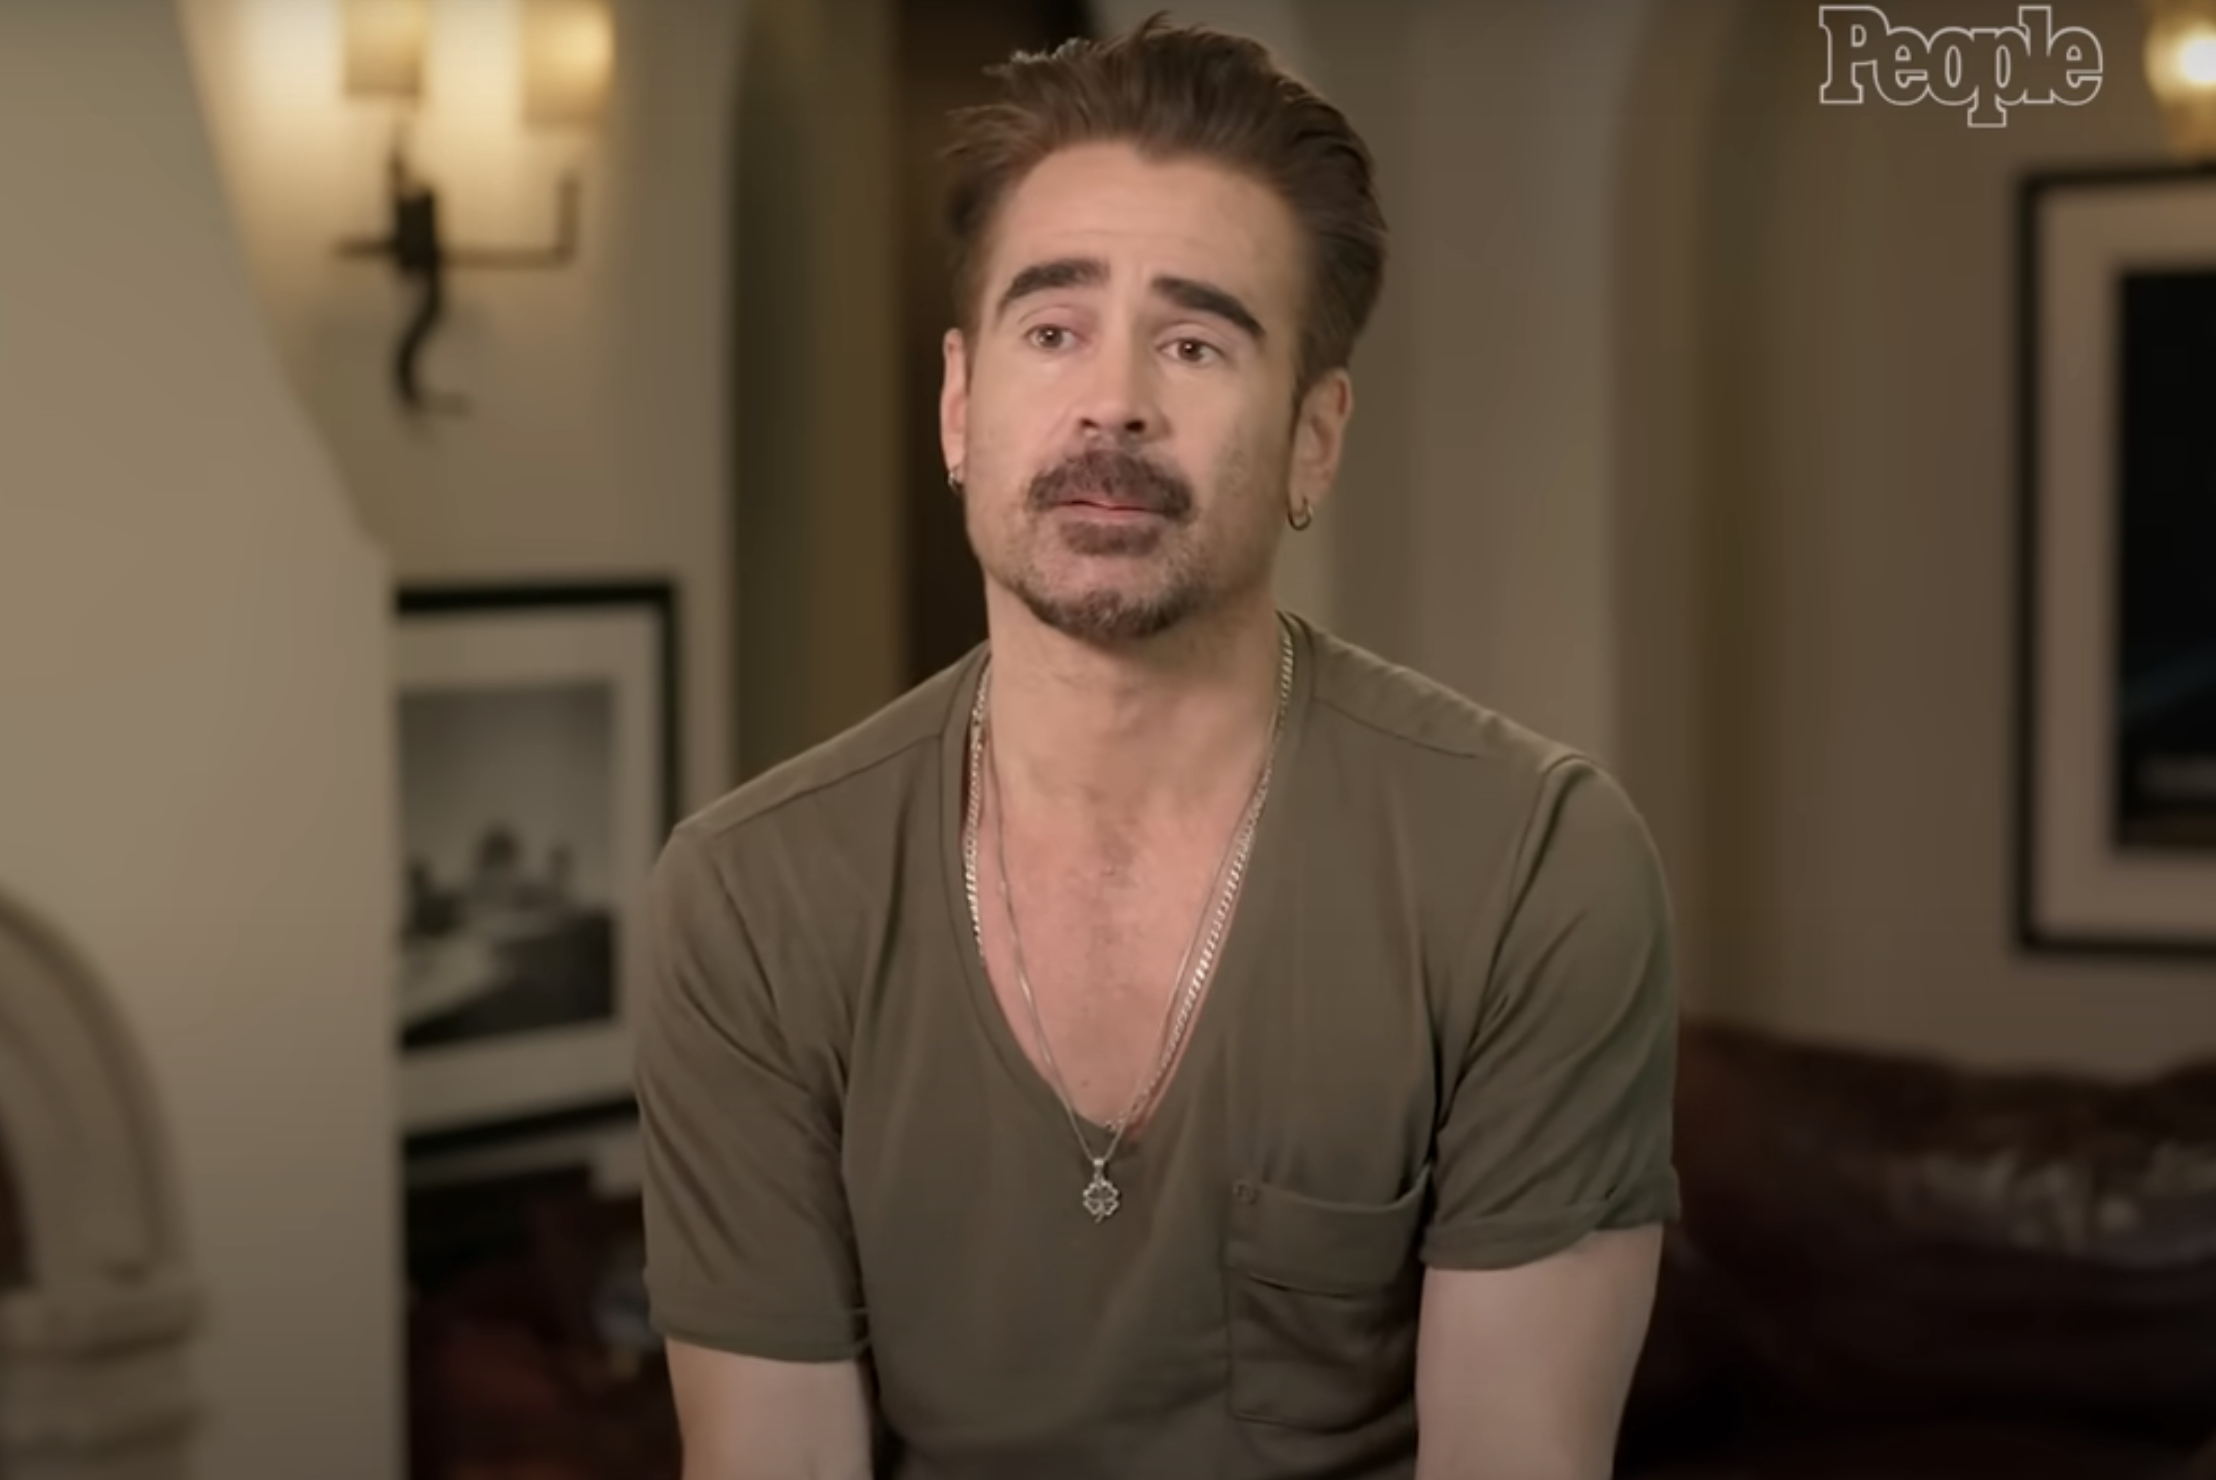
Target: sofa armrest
x=1695 y=1370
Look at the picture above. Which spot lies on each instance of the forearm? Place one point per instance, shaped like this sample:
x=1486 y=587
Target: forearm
x=758 y=1467
x=1523 y=1374
x=744 y=1418
x=779 y=1462
x=1534 y=1420
x=1455 y=1452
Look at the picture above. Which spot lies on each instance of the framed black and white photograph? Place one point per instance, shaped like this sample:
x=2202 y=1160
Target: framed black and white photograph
x=538 y=778
x=2117 y=615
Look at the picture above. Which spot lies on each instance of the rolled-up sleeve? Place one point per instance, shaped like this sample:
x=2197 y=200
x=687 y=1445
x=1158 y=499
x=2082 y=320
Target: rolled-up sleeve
x=749 y=1247
x=1559 y=1120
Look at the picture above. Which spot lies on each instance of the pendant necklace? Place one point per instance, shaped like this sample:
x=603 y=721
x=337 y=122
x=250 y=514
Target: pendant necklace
x=1101 y=1197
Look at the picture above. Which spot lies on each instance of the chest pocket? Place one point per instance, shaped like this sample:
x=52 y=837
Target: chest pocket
x=1322 y=1303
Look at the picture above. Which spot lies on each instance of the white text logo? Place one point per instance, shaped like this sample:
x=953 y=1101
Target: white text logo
x=1984 y=70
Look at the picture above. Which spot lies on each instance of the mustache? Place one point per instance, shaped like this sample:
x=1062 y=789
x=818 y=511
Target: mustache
x=1123 y=476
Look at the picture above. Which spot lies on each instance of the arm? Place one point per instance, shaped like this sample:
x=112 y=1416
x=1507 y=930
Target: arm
x=1524 y=1372
x=750 y=1262
x=748 y=1418
x=1554 y=1161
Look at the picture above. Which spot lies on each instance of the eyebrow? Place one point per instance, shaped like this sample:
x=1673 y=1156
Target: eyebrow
x=1091 y=272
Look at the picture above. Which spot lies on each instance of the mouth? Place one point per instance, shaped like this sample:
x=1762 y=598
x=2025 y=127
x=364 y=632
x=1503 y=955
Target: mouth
x=1107 y=506
x=1110 y=486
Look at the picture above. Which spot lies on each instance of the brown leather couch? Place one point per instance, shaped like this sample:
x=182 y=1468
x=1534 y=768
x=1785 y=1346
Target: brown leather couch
x=1895 y=1269
x=512 y=1372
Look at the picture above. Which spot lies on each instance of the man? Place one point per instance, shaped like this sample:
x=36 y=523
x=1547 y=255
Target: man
x=1172 y=1042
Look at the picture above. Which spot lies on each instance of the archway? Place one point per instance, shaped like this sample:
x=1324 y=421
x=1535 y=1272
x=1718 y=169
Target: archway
x=93 y=1332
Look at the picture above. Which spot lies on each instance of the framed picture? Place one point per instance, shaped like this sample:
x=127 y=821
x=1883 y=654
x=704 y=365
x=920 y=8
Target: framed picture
x=537 y=734
x=2116 y=760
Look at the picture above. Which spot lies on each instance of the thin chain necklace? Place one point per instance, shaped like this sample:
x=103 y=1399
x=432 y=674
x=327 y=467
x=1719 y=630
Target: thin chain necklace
x=1101 y=1197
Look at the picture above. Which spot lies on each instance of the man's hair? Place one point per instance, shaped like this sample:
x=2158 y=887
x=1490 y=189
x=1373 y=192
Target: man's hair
x=1180 y=92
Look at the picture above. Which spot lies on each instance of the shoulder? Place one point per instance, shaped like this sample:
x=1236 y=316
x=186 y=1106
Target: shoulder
x=758 y=900
x=1408 y=709
x=1502 y=827
x=847 y=787
x=1472 y=773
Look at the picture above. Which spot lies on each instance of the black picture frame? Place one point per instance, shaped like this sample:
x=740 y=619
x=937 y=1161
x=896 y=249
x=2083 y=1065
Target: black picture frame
x=2116 y=268
x=538 y=742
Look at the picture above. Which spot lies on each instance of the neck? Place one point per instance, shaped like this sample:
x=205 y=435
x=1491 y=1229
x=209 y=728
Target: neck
x=1134 y=734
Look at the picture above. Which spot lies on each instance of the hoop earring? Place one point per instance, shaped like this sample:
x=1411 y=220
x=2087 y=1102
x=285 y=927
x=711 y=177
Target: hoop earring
x=954 y=482
x=1300 y=518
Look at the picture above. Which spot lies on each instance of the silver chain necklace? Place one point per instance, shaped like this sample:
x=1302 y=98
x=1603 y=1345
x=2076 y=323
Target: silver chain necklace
x=1101 y=1197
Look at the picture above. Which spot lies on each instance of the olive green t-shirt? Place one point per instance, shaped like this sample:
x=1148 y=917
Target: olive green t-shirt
x=1441 y=1032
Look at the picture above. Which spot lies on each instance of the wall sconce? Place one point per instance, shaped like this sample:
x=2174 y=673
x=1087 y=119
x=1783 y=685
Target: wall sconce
x=567 y=52
x=2181 y=72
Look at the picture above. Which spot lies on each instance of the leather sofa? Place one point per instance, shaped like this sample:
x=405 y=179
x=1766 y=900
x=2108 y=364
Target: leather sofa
x=1891 y=1268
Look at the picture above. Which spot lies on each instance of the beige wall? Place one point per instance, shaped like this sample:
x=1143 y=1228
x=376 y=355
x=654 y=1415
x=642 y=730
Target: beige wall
x=1849 y=472
x=815 y=397
x=204 y=496
x=596 y=443
x=194 y=760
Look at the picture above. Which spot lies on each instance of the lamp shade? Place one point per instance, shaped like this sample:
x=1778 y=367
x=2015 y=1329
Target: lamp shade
x=568 y=54
x=384 y=46
x=2181 y=72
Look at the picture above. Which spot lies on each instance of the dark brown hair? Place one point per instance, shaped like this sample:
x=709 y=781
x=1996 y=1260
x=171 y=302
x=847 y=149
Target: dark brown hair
x=1180 y=92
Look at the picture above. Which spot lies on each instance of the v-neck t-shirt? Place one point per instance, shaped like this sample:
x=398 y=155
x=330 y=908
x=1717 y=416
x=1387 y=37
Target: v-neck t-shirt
x=1441 y=1033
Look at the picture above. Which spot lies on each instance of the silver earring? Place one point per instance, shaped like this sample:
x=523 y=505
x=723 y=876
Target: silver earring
x=954 y=481
x=1300 y=518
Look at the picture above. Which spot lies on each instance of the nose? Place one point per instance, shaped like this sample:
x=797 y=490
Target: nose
x=1119 y=402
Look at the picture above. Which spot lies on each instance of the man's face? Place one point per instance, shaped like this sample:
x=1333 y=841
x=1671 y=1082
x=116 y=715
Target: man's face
x=1124 y=419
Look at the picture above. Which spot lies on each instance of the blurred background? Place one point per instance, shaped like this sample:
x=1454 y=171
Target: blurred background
x=441 y=443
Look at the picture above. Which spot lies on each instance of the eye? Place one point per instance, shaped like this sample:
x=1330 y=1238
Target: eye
x=1047 y=336
x=1194 y=351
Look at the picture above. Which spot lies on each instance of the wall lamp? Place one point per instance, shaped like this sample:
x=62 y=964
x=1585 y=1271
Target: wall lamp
x=566 y=53
x=2181 y=72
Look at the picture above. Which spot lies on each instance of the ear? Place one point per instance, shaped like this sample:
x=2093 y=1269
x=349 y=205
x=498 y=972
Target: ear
x=954 y=401
x=1319 y=438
